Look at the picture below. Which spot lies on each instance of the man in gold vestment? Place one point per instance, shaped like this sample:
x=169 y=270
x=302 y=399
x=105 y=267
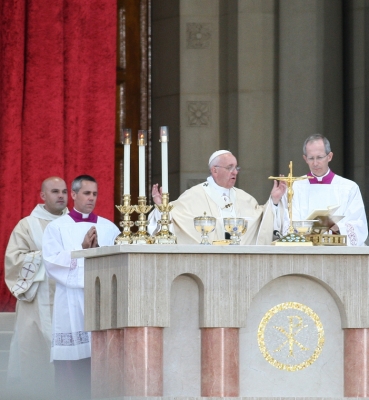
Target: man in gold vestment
x=220 y=199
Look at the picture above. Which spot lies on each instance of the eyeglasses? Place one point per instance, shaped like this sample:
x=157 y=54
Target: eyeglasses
x=318 y=158
x=230 y=168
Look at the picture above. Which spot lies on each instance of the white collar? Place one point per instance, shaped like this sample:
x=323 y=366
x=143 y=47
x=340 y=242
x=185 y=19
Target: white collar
x=220 y=189
x=84 y=216
x=320 y=178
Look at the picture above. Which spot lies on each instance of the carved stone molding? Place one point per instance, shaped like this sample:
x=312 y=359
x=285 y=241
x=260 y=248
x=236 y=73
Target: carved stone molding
x=198 y=35
x=199 y=113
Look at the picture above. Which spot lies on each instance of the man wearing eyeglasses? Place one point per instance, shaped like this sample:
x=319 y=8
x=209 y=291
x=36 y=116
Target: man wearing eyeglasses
x=218 y=197
x=326 y=189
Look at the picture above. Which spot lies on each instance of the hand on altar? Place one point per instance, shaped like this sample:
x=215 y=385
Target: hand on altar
x=278 y=190
x=90 y=239
x=156 y=194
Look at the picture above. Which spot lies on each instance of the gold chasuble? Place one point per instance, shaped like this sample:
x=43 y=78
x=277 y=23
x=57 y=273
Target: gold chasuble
x=201 y=198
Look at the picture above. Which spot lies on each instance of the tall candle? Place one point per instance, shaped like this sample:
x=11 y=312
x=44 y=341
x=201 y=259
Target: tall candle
x=164 y=139
x=142 y=140
x=126 y=140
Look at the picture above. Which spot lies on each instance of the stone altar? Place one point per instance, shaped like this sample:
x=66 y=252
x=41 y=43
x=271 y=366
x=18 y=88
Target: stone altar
x=227 y=321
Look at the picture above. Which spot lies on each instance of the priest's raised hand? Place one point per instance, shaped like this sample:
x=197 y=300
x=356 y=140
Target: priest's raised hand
x=156 y=194
x=278 y=191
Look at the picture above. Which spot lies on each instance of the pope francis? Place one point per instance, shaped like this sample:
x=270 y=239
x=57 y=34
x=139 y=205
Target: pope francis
x=220 y=199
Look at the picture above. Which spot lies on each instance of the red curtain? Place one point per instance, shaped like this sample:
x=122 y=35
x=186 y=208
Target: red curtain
x=57 y=104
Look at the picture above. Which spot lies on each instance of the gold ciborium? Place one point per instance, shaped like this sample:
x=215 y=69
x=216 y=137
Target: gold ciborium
x=204 y=225
x=236 y=227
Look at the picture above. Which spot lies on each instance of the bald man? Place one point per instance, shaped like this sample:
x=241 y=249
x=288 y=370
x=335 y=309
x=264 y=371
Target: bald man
x=30 y=372
x=219 y=198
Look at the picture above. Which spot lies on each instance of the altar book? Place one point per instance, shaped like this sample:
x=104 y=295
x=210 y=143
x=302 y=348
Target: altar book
x=325 y=216
x=327 y=212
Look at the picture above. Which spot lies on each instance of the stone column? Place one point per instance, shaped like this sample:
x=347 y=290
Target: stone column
x=356 y=93
x=107 y=363
x=257 y=96
x=220 y=362
x=165 y=89
x=143 y=361
x=356 y=359
x=199 y=88
x=310 y=79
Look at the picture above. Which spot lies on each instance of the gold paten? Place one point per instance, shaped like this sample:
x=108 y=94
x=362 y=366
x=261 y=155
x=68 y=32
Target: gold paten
x=224 y=242
x=141 y=236
x=126 y=209
x=164 y=236
x=291 y=332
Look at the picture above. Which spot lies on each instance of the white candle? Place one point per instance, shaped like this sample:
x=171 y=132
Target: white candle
x=164 y=138
x=126 y=140
x=141 y=162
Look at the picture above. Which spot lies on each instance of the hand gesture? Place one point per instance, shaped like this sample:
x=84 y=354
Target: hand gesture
x=90 y=239
x=156 y=194
x=279 y=189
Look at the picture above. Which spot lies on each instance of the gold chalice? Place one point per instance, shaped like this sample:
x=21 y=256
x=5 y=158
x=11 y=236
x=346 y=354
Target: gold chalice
x=236 y=227
x=204 y=225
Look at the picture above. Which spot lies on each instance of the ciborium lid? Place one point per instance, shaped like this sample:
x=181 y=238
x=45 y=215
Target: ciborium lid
x=205 y=218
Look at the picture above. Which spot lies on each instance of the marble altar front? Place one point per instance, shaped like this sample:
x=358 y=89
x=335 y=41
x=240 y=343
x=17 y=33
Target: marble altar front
x=227 y=321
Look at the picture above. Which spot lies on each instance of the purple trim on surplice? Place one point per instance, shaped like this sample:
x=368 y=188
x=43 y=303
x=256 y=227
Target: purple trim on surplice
x=78 y=217
x=327 y=180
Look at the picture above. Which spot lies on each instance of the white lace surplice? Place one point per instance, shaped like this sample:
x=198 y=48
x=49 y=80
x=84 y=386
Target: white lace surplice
x=69 y=340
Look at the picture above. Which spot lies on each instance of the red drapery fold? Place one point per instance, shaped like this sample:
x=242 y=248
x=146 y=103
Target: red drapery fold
x=57 y=104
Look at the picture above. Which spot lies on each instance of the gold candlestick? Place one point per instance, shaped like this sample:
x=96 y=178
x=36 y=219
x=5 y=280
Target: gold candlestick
x=126 y=209
x=291 y=237
x=164 y=236
x=141 y=236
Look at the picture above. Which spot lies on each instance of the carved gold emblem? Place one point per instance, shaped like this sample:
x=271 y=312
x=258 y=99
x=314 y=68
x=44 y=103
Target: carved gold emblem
x=291 y=336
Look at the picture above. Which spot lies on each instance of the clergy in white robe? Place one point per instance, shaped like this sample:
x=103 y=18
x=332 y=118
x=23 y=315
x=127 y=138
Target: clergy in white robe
x=327 y=189
x=30 y=372
x=81 y=228
x=217 y=197
x=69 y=340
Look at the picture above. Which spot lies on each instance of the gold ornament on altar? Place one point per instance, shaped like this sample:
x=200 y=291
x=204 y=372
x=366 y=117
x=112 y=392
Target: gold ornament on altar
x=236 y=227
x=315 y=229
x=164 y=236
x=204 y=225
x=126 y=209
x=291 y=336
x=292 y=238
x=141 y=236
